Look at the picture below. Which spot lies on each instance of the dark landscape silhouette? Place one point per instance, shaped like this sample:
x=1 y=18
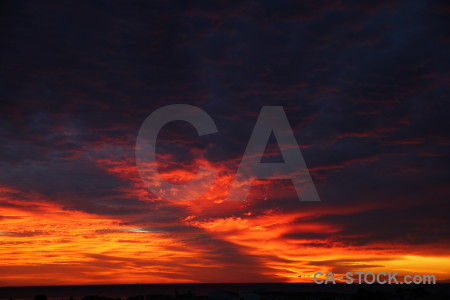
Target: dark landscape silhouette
x=270 y=291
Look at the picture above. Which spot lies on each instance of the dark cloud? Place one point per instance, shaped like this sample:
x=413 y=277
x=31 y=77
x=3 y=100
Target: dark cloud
x=364 y=85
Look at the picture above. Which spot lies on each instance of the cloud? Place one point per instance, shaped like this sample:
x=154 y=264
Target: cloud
x=364 y=86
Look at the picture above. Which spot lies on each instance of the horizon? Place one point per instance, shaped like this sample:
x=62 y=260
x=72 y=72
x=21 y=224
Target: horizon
x=202 y=289
x=236 y=283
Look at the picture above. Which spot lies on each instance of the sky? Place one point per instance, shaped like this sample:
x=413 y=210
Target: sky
x=364 y=85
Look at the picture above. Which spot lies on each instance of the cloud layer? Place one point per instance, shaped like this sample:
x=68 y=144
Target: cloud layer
x=364 y=86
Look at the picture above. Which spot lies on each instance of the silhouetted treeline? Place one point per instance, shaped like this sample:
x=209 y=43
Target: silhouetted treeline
x=412 y=293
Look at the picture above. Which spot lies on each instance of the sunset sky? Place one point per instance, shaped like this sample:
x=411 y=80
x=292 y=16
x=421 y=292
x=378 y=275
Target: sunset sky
x=365 y=87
